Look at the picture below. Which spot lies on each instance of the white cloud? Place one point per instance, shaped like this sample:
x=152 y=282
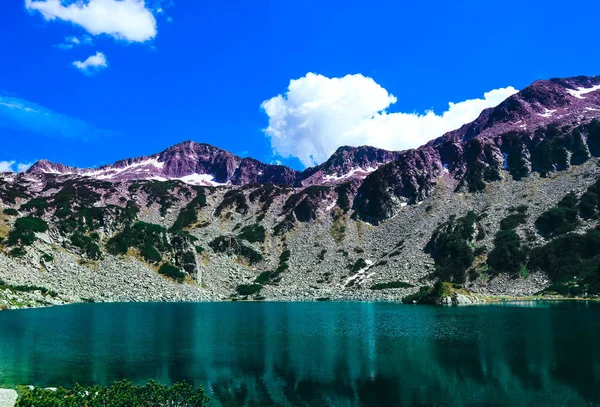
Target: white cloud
x=6 y=166
x=22 y=167
x=9 y=166
x=22 y=115
x=93 y=64
x=318 y=114
x=127 y=20
x=72 y=42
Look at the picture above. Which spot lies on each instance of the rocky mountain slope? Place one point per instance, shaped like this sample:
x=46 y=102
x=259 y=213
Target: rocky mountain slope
x=489 y=208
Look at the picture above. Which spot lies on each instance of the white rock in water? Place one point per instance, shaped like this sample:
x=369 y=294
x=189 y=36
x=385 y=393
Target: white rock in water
x=8 y=398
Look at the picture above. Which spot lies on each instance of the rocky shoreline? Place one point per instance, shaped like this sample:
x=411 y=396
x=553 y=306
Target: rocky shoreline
x=11 y=300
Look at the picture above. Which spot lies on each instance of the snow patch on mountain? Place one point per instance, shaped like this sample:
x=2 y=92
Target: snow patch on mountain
x=582 y=91
x=547 y=112
x=361 y=171
x=201 y=179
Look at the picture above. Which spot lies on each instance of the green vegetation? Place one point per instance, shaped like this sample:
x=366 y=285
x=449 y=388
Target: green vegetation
x=338 y=228
x=550 y=153
x=27 y=289
x=358 y=265
x=159 y=192
x=171 y=271
x=580 y=152
x=573 y=258
x=9 y=192
x=88 y=219
x=10 y=212
x=478 y=174
x=285 y=225
x=248 y=289
x=512 y=221
x=38 y=204
x=343 y=199
x=420 y=296
x=560 y=219
x=189 y=214
x=17 y=252
x=149 y=238
x=233 y=245
x=119 y=394
x=593 y=137
x=285 y=256
x=513 y=147
x=305 y=203
x=518 y=209
x=266 y=194
x=25 y=229
x=253 y=233
x=47 y=257
x=72 y=196
x=508 y=256
x=589 y=203
x=391 y=284
x=450 y=249
x=232 y=198
x=87 y=245
x=271 y=277
x=431 y=295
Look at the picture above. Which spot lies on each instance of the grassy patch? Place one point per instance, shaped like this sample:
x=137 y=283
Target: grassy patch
x=169 y=270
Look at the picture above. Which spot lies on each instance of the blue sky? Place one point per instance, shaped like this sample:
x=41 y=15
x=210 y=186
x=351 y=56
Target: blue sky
x=211 y=71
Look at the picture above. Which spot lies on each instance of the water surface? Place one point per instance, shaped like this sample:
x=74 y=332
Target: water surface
x=317 y=354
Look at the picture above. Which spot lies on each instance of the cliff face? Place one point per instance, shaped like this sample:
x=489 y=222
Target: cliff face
x=197 y=222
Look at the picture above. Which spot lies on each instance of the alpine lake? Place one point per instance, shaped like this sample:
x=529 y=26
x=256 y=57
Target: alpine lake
x=317 y=354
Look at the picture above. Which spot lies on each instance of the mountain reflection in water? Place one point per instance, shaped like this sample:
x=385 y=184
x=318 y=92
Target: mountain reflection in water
x=316 y=354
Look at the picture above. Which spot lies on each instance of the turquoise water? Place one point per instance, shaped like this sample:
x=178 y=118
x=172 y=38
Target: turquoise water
x=317 y=354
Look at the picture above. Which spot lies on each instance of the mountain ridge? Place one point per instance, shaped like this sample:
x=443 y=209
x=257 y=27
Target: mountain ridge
x=204 y=164
x=482 y=206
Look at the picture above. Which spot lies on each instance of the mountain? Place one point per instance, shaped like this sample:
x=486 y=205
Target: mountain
x=543 y=128
x=203 y=164
x=190 y=162
x=507 y=205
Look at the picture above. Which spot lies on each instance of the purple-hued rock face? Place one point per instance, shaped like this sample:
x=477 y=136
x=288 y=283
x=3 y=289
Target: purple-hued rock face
x=514 y=137
x=190 y=162
x=347 y=164
x=203 y=164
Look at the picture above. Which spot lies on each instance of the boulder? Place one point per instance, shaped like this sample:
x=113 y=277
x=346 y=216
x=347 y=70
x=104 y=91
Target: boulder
x=8 y=398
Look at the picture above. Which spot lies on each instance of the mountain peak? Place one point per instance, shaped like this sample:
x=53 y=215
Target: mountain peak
x=561 y=102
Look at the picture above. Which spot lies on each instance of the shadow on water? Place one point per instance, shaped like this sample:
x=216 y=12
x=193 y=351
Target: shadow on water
x=323 y=354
